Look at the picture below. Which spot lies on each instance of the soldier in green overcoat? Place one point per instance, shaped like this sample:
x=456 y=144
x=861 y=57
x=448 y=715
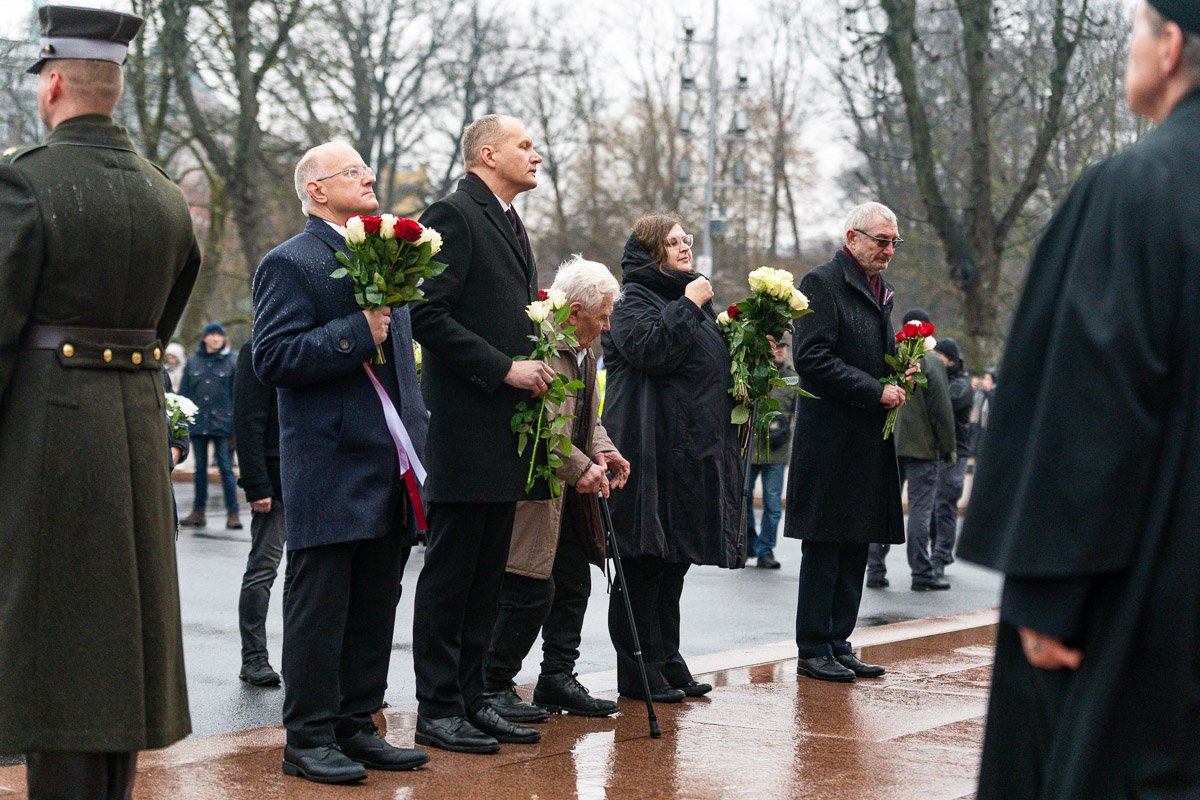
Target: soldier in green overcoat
x=97 y=259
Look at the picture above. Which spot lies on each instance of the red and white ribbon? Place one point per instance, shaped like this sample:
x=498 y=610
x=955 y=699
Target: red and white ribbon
x=410 y=465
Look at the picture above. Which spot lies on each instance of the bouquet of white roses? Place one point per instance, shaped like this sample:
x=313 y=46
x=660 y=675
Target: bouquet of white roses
x=746 y=325
x=389 y=257
x=550 y=312
x=181 y=412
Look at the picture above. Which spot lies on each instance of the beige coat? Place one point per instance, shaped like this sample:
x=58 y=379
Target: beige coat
x=538 y=522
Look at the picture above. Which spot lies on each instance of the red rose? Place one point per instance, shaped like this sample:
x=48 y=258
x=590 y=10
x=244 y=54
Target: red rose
x=543 y=295
x=371 y=224
x=900 y=335
x=733 y=311
x=408 y=230
x=926 y=329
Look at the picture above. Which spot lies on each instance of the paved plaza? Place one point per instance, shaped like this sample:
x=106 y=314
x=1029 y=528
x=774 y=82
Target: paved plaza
x=763 y=733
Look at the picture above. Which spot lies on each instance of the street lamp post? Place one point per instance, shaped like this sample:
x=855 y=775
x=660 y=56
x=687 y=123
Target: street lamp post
x=688 y=83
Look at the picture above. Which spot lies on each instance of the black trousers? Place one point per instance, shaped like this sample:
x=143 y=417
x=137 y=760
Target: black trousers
x=555 y=606
x=456 y=602
x=654 y=590
x=338 y=621
x=80 y=776
x=831 y=587
x=267 y=538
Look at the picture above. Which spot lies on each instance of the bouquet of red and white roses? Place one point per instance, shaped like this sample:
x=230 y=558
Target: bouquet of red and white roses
x=389 y=257
x=549 y=312
x=746 y=325
x=915 y=340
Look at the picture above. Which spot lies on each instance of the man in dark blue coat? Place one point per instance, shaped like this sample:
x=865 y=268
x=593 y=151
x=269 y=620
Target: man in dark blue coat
x=208 y=382
x=347 y=515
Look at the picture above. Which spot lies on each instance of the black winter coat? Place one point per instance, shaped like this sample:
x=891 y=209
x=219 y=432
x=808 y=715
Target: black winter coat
x=470 y=326
x=666 y=409
x=962 y=399
x=256 y=429
x=208 y=382
x=843 y=485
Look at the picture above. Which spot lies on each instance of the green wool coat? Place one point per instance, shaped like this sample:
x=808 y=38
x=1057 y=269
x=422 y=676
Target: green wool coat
x=91 y=654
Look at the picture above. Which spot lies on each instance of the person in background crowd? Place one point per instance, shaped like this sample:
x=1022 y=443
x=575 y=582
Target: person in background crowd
x=843 y=485
x=173 y=363
x=97 y=260
x=981 y=408
x=924 y=438
x=668 y=409
x=952 y=473
x=769 y=459
x=548 y=579
x=1087 y=495
x=471 y=326
x=256 y=430
x=208 y=382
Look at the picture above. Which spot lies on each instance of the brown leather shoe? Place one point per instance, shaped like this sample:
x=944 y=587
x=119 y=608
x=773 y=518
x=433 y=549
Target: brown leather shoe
x=232 y=522
x=193 y=520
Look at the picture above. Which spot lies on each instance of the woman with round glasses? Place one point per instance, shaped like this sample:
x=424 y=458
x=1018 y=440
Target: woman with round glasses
x=667 y=408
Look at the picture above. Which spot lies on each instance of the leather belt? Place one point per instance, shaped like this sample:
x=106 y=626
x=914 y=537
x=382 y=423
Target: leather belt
x=51 y=337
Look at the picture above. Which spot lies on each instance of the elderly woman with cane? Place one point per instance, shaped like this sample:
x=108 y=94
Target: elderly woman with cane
x=667 y=409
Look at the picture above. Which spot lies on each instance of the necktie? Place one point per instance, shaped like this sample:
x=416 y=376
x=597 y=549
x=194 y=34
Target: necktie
x=519 y=230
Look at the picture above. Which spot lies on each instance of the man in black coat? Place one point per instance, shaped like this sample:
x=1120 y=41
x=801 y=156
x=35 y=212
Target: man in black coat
x=471 y=326
x=347 y=514
x=843 y=486
x=1087 y=495
x=256 y=429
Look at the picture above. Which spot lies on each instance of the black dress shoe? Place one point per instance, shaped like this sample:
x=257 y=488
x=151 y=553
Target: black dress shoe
x=508 y=704
x=930 y=585
x=456 y=734
x=862 y=670
x=767 y=561
x=659 y=694
x=694 y=689
x=368 y=748
x=496 y=726
x=561 y=692
x=878 y=583
x=324 y=764
x=258 y=672
x=824 y=668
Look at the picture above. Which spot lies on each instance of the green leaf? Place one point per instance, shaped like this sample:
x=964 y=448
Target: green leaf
x=339 y=273
x=891 y=361
x=522 y=440
x=740 y=415
x=920 y=379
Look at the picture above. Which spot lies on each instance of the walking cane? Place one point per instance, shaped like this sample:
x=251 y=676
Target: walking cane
x=610 y=536
x=747 y=444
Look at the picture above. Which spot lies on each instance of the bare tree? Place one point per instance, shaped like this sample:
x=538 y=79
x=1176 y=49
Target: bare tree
x=965 y=100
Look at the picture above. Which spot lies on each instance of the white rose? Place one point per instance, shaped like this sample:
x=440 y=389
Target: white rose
x=417 y=353
x=797 y=302
x=387 y=226
x=758 y=280
x=356 y=231
x=433 y=237
x=723 y=318
x=537 y=310
x=557 y=298
x=930 y=343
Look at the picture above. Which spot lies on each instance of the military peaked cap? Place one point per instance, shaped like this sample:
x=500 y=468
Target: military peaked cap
x=1184 y=13
x=85 y=33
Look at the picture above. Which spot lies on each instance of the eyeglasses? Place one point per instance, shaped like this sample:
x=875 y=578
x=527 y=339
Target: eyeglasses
x=353 y=173
x=882 y=242
x=686 y=241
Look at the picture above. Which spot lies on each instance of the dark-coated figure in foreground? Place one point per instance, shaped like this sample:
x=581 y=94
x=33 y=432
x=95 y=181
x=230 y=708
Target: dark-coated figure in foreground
x=93 y=672
x=1087 y=495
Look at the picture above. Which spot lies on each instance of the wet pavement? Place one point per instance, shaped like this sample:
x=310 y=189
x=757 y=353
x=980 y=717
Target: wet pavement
x=721 y=610
x=762 y=733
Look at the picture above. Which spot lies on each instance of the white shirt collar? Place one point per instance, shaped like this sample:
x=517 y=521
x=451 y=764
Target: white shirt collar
x=503 y=205
x=580 y=355
x=341 y=231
